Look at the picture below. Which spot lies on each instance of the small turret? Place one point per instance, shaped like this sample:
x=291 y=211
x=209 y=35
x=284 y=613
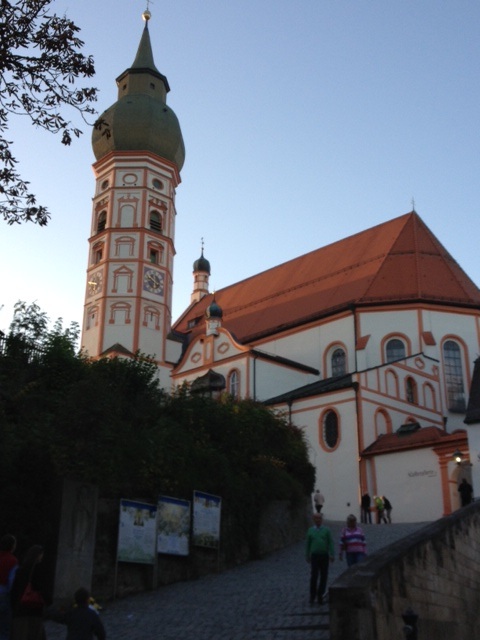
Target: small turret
x=201 y=275
x=214 y=315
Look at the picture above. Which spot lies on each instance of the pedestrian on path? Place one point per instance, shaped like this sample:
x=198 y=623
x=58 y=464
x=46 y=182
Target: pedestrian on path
x=352 y=542
x=82 y=621
x=318 y=501
x=366 y=513
x=319 y=552
x=388 y=509
x=381 y=517
x=466 y=491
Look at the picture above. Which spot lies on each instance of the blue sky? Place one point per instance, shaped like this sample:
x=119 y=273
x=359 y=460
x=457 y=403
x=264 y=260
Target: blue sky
x=304 y=121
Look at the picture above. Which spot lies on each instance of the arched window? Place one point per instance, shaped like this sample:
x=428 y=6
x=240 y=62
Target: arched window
x=155 y=221
x=411 y=390
x=101 y=221
x=395 y=350
x=383 y=423
x=452 y=358
x=234 y=384
x=339 y=362
x=330 y=429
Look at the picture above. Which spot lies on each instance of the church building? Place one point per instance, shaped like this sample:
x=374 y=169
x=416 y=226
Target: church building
x=368 y=344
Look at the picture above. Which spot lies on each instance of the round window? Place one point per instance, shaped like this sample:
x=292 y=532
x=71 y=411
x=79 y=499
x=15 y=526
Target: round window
x=330 y=429
x=157 y=184
x=104 y=184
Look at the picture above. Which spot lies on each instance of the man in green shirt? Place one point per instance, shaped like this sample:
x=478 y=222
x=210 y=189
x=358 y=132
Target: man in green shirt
x=320 y=551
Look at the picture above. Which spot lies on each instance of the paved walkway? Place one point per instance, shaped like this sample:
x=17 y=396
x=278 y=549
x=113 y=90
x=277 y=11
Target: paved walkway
x=262 y=600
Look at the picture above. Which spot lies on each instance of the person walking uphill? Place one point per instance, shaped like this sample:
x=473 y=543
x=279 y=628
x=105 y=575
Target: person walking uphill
x=319 y=552
x=318 y=501
x=352 y=542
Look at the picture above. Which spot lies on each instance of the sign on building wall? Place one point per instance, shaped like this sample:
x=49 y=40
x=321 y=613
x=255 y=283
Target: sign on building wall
x=206 y=519
x=137 y=532
x=173 y=517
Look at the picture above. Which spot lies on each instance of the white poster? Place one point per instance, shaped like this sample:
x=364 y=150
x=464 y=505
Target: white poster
x=173 y=526
x=206 y=519
x=137 y=532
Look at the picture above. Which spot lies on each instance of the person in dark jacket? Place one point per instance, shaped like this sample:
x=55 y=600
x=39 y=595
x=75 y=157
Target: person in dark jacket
x=466 y=492
x=83 y=623
x=388 y=509
x=366 y=513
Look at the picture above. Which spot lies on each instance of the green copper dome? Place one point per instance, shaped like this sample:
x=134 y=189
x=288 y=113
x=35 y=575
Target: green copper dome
x=202 y=264
x=140 y=120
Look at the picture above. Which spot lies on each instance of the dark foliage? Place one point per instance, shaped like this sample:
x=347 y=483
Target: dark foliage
x=40 y=62
x=106 y=422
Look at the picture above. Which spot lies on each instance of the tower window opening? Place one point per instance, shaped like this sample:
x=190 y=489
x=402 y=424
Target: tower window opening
x=152 y=86
x=153 y=256
x=101 y=221
x=155 y=221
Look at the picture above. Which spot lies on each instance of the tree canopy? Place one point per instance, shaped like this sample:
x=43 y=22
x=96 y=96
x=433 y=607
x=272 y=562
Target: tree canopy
x=40 y=63
x=107 y=422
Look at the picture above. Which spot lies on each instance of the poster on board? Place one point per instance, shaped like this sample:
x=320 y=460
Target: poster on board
x=137 y=531
x=173 y=522
x=206 y=520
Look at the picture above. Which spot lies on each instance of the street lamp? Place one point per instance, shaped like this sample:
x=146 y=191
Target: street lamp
x=458 y=456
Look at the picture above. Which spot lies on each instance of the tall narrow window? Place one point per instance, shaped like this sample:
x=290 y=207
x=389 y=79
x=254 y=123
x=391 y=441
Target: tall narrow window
x=234 y=384
x=101 y=221
x=395 y=350
x=454 y=377
x=155 y=221
x=411 y=390
x=339 y=363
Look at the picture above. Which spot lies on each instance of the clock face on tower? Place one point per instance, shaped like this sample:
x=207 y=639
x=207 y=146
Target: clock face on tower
x=153 y=281
x=95 y=283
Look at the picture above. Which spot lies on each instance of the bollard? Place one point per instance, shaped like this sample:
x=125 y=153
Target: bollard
x=410 y=619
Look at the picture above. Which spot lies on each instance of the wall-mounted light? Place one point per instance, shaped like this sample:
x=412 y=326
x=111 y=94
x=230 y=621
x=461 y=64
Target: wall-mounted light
x=458 y=456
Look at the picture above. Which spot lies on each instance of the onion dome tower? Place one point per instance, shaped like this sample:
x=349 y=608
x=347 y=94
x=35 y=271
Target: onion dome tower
x=139 y=151
x=201 y=275
x=214 y=315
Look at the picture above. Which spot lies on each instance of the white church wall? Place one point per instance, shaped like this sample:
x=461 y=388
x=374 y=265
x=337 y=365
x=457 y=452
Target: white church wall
x=269 y=379
x=308 y=346
x=301 y=346
x=411 y=481
x=380 y=324
x=337 y=469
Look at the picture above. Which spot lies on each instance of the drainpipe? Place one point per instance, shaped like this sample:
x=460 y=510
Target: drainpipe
x=255 y=377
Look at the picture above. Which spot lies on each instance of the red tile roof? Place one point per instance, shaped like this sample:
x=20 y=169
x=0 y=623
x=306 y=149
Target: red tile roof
x=425 y=437
x=394 y=262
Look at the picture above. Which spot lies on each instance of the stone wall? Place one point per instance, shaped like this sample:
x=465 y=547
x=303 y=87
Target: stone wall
x=281 y=524
x=434 y=571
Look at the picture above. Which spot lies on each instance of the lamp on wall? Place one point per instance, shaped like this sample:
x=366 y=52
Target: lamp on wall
x=458 y=456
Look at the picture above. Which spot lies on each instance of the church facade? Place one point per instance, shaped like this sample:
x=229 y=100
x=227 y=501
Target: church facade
x=367 y=344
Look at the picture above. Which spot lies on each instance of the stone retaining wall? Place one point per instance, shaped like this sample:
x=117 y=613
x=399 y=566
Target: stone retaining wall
x=434 y=571
x=281 y=524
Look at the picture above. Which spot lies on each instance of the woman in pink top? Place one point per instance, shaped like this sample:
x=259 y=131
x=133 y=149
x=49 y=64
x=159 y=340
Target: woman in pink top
x=352 y=542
